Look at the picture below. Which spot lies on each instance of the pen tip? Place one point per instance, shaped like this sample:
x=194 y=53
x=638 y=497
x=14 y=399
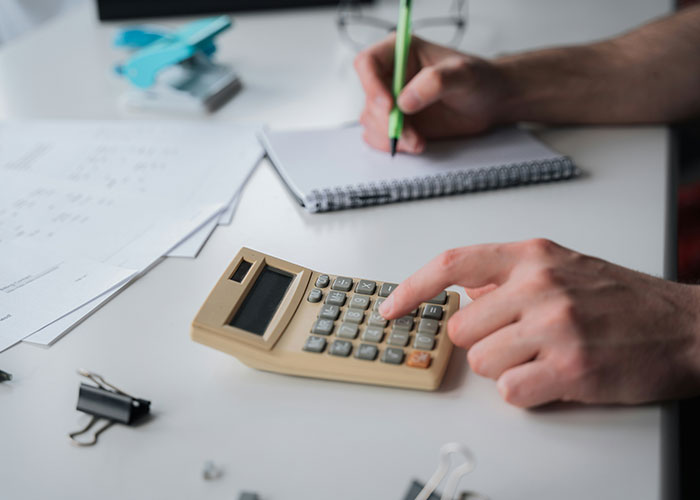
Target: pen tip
x=393 y=146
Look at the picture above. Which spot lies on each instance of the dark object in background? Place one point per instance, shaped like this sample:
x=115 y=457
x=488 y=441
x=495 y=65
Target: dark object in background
x=129 y=9
x=5 y=377
x=682 y=437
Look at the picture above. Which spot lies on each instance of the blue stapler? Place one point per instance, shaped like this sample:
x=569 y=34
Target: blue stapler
x=175 y=69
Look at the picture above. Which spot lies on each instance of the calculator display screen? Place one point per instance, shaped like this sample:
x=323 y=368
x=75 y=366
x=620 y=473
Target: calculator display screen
x=262 y=301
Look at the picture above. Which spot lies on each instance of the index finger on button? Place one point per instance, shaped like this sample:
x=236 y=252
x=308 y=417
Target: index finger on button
x=473 y=267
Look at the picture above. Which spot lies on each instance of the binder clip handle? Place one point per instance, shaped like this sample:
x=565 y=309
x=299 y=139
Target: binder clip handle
x=106 y=402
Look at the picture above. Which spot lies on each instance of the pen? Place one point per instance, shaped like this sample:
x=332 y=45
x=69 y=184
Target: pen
x=4 y=376
x=403 y=42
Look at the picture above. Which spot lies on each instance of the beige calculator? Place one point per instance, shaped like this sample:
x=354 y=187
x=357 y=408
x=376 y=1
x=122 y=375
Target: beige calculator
x=276 y=316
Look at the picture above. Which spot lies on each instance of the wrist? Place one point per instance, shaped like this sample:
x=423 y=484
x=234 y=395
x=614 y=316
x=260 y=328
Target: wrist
x=561 y=85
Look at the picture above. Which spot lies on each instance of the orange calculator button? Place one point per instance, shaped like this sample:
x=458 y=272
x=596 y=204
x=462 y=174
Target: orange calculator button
x=418 y=359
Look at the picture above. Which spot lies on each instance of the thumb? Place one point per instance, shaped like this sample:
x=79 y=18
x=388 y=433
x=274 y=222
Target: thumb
x=430 y=84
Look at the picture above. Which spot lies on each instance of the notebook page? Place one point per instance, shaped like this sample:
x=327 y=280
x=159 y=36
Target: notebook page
x=327 y=158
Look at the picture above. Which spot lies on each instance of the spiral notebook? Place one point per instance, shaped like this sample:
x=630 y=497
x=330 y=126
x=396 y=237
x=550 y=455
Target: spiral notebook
x=333 y=169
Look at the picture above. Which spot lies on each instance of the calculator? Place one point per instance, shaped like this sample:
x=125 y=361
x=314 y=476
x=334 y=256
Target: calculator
x=280 y=317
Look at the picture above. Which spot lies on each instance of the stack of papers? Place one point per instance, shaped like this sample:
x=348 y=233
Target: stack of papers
x=85 y=207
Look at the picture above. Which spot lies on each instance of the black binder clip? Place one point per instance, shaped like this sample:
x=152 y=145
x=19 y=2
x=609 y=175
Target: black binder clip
x=106 y=402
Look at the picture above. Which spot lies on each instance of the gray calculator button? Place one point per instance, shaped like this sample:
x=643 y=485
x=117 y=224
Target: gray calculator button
x=404 y=322
x=343 y=284
x=376 y=319
x=335 y=298
x=424 y=341
x=378 y=303
x=366 y=287
x=315 y=344
x=341 y=348
x=386 y=289
x=323 y=281
x=398 y=337
x=366 y=351
x=322 y=327
x=393 y=355
x=354 y=316
x=329 y=312
x=347 y=331
x=373 y=334
x=440 y=298
x=429 y=326
x=315 y=295
x=359 y=302
x=432 y=311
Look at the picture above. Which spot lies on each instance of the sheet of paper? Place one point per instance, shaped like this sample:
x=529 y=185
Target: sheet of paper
x=36 y=288
x=192 y=245
x=54 y=331
x=175 y=161
x=118 y=194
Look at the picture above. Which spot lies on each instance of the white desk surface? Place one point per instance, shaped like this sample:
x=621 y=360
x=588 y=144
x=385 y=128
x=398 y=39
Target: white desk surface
x=290 y=438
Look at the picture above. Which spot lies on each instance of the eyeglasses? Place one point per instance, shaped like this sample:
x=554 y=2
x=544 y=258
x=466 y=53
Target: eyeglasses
x=360 y=30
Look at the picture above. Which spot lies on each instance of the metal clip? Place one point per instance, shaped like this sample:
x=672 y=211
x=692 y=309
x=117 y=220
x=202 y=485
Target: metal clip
x=106 y=402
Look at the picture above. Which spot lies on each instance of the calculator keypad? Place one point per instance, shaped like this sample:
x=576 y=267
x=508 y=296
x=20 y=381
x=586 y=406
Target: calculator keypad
x=366 y=287
x=429 y=326
x=315 y=295
x=354 y=305
x=341 y=348
x=315 y=344
x=367 y=351
x=387 y=288
x=393 y=355
x=359 y=302
x=373 y=334
x=354 y=316
x=418 y=359
x=343 y=284
x=322 y=327
x=376 y=319
x=347 y=331
x=432 y=311
x=336 y=298
x=329 y=312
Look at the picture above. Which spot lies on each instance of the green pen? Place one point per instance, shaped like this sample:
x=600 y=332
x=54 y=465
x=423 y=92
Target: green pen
x=403 y=42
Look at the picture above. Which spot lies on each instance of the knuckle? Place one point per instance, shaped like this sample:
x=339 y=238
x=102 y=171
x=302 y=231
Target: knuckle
x=574 y=366
x=541 y=279
x=360 y=61
x=448 y=260
x=460 y=64
x=476 y=361
x=511 y=391
x=435 y=77
x=454 y=331
x=565 y=312
x=539 y=248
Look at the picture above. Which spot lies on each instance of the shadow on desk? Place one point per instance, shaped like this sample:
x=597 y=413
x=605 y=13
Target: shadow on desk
x=456 y=372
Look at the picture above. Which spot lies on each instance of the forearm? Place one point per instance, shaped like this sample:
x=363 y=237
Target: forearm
x=649 y=75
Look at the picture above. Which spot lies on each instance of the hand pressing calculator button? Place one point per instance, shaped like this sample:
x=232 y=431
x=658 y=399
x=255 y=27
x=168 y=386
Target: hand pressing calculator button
x=278 y=317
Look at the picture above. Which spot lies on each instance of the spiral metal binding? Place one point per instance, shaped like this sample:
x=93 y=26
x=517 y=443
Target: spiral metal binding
x=440 y=185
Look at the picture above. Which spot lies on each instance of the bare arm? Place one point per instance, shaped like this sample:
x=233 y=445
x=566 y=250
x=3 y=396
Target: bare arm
x=651 y=74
